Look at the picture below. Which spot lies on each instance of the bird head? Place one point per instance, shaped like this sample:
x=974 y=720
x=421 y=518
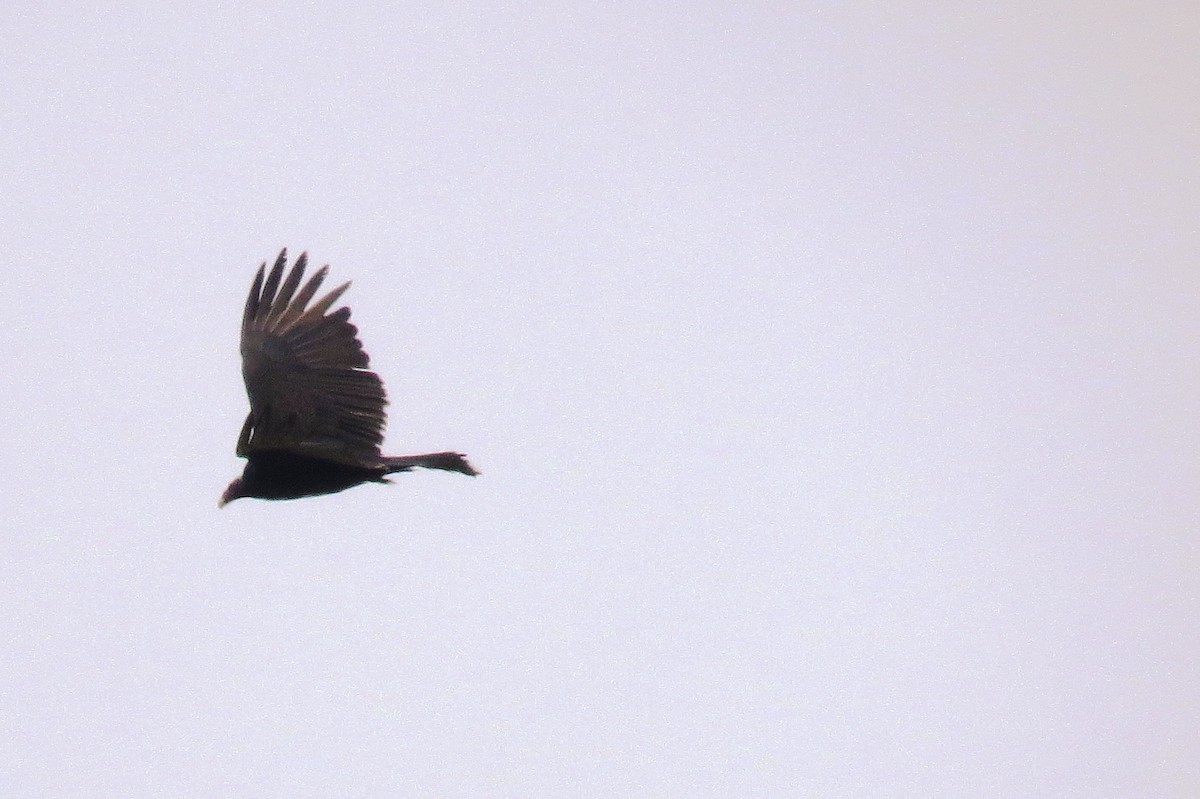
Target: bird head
x=234 y=491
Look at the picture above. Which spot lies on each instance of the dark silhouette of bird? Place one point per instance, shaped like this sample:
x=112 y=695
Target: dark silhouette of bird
x=316 y=410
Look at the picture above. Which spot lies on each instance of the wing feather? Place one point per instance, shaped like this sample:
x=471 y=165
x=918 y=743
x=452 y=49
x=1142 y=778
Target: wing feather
x=284 y=297
x=306 y=373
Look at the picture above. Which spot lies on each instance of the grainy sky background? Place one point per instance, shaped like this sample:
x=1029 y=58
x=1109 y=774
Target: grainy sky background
x=832 y=369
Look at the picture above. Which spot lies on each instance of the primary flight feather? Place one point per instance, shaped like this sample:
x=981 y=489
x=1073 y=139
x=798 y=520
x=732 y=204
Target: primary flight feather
x=316 y=410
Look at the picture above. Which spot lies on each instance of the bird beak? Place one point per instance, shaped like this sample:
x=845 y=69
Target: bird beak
x=232 y=492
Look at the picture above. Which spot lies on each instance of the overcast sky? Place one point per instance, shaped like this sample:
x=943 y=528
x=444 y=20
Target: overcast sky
x=832 y=370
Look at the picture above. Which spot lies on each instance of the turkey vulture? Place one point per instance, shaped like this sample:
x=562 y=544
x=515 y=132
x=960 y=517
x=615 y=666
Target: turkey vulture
x=316 y=411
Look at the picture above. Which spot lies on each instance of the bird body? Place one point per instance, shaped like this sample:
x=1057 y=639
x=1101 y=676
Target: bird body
x=316 y=410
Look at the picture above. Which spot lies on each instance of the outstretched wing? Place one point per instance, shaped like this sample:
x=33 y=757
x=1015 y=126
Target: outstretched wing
x=306 y=373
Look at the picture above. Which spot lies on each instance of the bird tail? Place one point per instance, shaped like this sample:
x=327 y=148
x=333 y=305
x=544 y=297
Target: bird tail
x=447 y=461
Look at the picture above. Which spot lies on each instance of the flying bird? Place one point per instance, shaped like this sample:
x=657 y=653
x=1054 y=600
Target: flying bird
x=316 y=410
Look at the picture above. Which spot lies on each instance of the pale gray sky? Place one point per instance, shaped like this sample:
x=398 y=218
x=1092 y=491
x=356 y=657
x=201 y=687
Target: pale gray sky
x=832 y=370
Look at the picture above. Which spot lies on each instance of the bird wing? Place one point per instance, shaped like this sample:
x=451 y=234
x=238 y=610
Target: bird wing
x=306 y=373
